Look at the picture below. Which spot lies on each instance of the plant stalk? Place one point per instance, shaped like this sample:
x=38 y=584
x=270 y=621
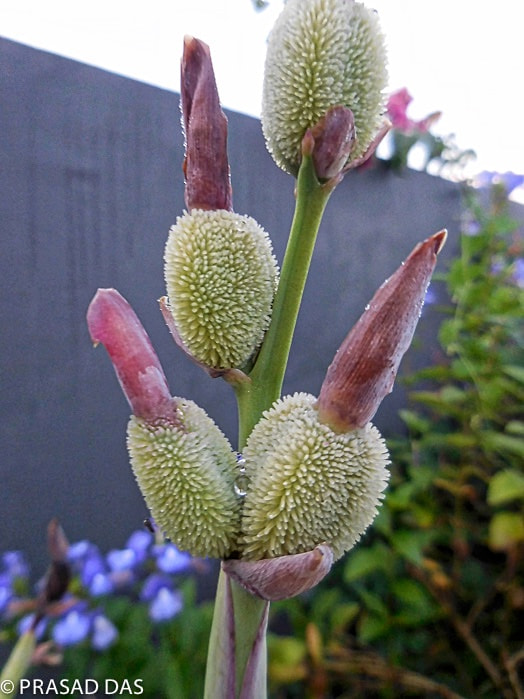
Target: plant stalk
x=268 y=372
x=17 y=665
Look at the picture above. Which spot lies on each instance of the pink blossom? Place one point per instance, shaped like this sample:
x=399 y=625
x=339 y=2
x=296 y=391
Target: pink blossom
x=397 y=106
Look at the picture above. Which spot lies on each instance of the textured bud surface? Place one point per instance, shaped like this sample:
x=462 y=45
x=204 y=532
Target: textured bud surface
x=186 y=473
x=322 y=53
x=309 y=485
x=221 y=278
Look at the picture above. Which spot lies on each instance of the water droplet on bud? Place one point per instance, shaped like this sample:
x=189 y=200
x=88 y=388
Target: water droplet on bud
x=241 y=481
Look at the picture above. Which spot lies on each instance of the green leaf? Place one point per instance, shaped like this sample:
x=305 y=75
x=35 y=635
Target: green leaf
x=374 y=603
x=363 y=561
x=287 y=656
x=516 y=372
x=506 y=530
x=497 y=441
x=515 y=427
x=506 y=486
x=372 y=627
x=414 y=421
x=343 y=615
x=411 y=544
x=416 y=605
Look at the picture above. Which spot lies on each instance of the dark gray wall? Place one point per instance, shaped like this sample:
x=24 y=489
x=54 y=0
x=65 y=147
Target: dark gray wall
x=90 y=182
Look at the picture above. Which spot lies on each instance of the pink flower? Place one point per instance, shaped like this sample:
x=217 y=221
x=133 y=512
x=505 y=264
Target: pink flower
x=397 y=106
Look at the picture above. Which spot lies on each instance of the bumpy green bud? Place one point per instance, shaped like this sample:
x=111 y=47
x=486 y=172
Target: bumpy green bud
x=186 y=471
x=308 y=484
x=322 y=53
x=221 y=278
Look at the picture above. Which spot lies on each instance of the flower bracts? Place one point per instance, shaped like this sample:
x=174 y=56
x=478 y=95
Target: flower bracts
x=184 y=465
x=322 y=53
x=186 y=474
x=308 y=484
x=221 y=277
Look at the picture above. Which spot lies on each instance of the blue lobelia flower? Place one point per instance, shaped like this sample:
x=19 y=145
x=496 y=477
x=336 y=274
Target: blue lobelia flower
x=101 y=584
x=518 y=272
x=72 y=628
x=170 y=560
x=166 y=605
x=15 y=565
x=121 y=560
x=153 y=584
x=139 y=542
x=104 y=633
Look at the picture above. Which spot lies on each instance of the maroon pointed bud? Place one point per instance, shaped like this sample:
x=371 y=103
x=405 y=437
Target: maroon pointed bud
x=364 y=368
x=57 y=542
x=113 y=322
x=206 y=166
x=58 y=575
x=283 y=577
x=334 y=137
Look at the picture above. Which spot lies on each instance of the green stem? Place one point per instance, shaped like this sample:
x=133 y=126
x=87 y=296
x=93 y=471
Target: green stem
x=267 y=375
x=17 y=665
x=236 y=664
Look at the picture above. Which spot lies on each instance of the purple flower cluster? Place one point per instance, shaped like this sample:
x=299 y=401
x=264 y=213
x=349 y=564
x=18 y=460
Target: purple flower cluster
x=14 y=570
x=143 y=570
x=510 y=180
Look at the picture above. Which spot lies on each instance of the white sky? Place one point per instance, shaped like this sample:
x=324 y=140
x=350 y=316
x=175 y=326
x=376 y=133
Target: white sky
x=462 y=57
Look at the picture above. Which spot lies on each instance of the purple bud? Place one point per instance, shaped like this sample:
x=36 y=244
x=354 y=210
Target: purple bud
x=364 y=368
x=334 y=137
x=57 y=542
x=206 y=166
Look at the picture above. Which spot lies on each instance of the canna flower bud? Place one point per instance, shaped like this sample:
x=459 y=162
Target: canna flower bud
x=183 y=464
x=364 y=368
x=334 y=139
x=186 y=472
x=206 y=166
x=309 y=484
x=317 y=469
x=221 y=277
x=322 y=54
x=112 y=321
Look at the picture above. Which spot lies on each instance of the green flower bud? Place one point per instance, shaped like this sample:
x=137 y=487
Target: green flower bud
x=322 y=53
x=308 y=484
x=221 y=278
x=186 y=471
